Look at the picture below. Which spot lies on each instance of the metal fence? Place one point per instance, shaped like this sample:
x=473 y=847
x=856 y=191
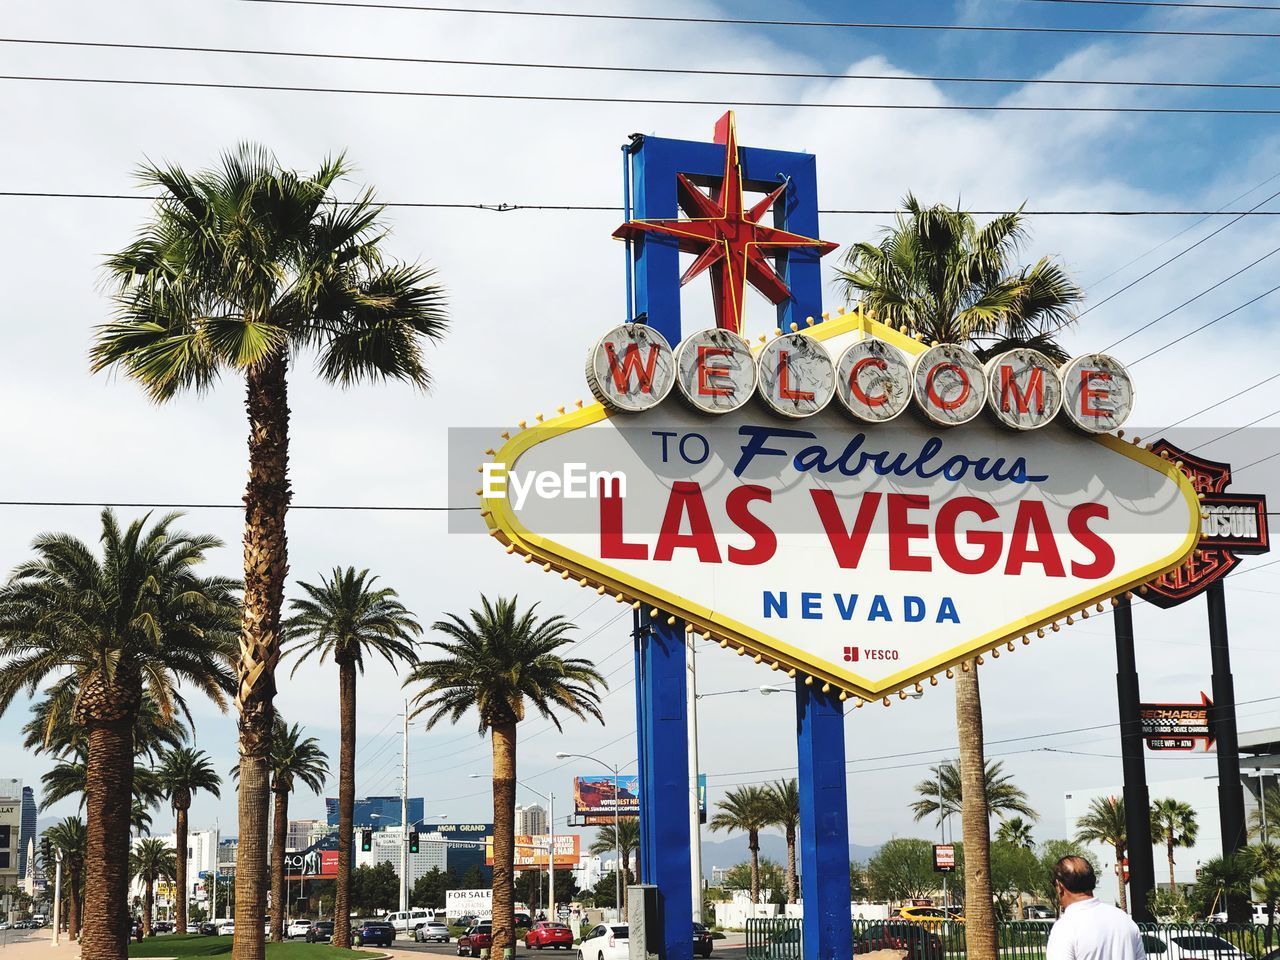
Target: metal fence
x=775 y=938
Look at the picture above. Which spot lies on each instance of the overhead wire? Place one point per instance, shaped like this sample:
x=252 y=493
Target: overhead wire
x=1215 y=405
x=1205 y=325
x=748 y=22
x=622 y=68
x=607 y=208
x=644 y=101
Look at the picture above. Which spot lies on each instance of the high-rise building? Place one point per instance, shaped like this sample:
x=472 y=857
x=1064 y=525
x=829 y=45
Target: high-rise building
x=303 y=833
x=28 y=831
x=376 y=813
x=531 y=821
x=10 y=832
x=386 y=847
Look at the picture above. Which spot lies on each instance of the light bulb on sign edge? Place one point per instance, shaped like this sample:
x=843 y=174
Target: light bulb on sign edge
x=951 y=675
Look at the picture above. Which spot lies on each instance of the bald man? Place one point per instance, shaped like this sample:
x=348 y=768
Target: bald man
x=1088 y=928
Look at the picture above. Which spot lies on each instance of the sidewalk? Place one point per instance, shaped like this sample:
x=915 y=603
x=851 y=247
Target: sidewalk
x=36 y=945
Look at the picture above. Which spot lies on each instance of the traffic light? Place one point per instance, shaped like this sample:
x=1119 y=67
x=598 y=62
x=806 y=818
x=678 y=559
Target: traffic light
x=413 y=841
x=46 y=851
x=366 y=840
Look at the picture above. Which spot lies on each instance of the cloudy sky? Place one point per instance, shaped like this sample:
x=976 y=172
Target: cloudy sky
x=530 y=289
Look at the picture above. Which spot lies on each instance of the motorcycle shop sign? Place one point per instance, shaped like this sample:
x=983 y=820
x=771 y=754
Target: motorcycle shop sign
x=845 y=502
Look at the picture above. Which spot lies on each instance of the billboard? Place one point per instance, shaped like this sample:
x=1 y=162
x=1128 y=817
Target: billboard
x=1177 y=726
x=845 y=503
x=468 y=903
x=593 y=798
x=531 y=851
x=318 y=861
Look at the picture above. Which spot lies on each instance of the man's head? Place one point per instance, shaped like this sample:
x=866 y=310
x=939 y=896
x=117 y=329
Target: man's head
x=1073 y=879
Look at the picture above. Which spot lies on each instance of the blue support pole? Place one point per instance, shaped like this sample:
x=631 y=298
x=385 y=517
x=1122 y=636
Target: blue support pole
x=824 y=824
x=662 y=739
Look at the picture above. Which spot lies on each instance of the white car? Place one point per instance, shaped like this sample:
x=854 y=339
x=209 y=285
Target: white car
x=605 y=941
x=1190 y=946
x=225 y=927
x=407 y=921
x=433 y=931
x=297 y=928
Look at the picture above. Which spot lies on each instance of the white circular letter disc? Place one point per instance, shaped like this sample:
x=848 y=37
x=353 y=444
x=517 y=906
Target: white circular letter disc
x=715 y=370
x=1024 y=391
x=631 y=368
x=873 y=380
x=796 y=376
x=1097 y=393
x=949 y=384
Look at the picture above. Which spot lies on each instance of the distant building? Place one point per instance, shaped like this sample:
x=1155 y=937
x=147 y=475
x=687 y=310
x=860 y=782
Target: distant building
x=531 y=821
x=27 y=834
x=376 y=813
x=10 y=832
x=588 y=872
x=303 y=833
x=227 y=850
x=432 y=852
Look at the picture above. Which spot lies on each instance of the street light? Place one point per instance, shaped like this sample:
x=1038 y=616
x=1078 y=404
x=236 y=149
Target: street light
x=551 y=836
x=765 y=689
x=617 y=833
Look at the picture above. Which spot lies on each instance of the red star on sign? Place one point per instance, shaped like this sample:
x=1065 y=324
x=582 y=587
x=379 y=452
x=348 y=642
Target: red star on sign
x=727 y=238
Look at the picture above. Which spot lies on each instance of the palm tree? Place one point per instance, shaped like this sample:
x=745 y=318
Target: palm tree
x=1173 y=823
x=129 y=626
x=347 y=618
x=239 y=269
x=68 y=837
x=1105 y=823
x=293 y=760
x=784 y=812
x=1266 y=814
x=946 y=279
x=150 y=860
x=625 y=841
x=66 y=778
x=51 y=731
x=1016 y=831
x=1220 y=880
x=496 y=661
x=746 y=809
x=1003 y=796
x=181 y=773
x=1264 y=863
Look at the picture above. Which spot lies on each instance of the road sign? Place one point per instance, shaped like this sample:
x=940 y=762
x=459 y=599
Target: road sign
x=562 y=912
x=1177 y=726
x=784 y=539
x=944 y=858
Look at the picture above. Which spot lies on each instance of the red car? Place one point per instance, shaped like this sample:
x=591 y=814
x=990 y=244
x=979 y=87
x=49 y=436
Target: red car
x=479 y=937
x=544 y=934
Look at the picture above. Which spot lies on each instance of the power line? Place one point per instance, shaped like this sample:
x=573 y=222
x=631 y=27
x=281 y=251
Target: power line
x=1191 y=333
x=644 y=101
x=131 y=505
x=1165 y=3
x=1184 y=303
x=667 y=71
x=608 y=208
x=1270 y=456
x=1185 y=250
x=1235 y=430
x=739 y=21
x=1212 y=406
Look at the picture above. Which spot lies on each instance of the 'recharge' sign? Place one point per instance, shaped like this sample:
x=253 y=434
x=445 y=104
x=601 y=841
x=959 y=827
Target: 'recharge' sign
x=844 y=502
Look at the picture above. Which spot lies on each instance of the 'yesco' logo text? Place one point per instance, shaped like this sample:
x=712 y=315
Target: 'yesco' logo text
x=573 y=482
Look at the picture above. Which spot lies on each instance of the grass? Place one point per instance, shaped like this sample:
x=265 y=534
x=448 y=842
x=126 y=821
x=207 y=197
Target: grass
x=195 y=945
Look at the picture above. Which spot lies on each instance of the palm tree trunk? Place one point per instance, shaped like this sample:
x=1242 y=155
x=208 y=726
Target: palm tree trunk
x=504 y=815
x=280 y=833
x=1121 y=898
x=266 y=562
x=793 y=891
x=73 y=903
x=148 y=906
x=108 y=805
x=1169 y=847
x=753 y=842
x=625 y=866
x=180 y=873
x=346 y=801
x=980 y=921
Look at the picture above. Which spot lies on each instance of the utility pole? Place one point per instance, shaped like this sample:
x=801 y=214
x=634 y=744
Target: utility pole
x=551 y=854
x=57 y=898
x=404 y=815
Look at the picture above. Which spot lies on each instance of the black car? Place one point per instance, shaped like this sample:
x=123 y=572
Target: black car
x=208 y=929
x=913 y=938
x=701 y=940
x=320 y=932
x=374 y=933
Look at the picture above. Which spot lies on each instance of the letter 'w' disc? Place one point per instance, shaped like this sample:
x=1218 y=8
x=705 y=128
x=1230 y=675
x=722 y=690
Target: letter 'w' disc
x=631 y=368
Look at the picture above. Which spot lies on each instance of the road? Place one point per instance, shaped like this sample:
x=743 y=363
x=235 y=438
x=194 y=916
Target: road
x=734 y=948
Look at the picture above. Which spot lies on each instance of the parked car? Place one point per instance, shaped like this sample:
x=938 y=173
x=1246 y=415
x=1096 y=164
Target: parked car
x=605 y=941
x=702 y=941
x=226 y=928
x=477 y=938
x=546 y=933
x=374 y=933
x=208 y=929
x=194 y=928
x=1191 y=946
x=433 y=931
x=523 y=920
x=914 y=938
x=1038 y=911
x=407 y=921
x=320 y=932
x=297 y=928
x=929 y=915
x=161 y=926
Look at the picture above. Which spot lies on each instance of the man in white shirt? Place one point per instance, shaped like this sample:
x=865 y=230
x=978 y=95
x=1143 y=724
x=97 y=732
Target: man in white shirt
x=1088 y=928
